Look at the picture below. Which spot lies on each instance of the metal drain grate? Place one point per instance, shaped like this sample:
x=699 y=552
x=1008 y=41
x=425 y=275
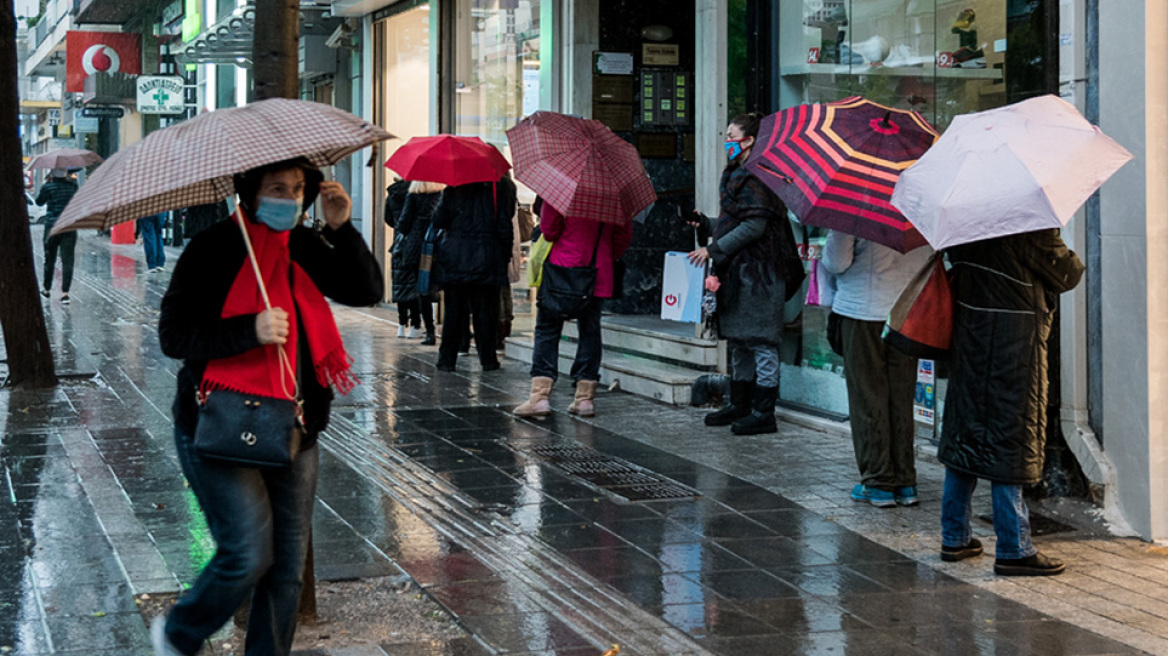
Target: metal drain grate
x=615 y=476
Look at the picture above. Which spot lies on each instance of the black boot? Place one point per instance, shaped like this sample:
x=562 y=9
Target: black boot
x=737 y=408
x=762 y=416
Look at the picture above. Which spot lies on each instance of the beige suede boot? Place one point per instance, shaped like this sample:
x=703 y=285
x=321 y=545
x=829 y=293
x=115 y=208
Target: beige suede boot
x=537 y=404
x=582 y=404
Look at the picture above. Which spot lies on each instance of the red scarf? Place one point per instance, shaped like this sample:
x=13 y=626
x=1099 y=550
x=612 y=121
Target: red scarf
x=258 y=371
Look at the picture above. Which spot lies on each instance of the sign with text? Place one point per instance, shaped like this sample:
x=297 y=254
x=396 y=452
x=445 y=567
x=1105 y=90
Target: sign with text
x=160 y=94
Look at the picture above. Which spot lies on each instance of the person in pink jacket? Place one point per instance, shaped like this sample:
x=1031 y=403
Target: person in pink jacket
x=573 y=243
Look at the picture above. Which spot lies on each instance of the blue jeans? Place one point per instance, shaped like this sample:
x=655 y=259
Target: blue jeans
x=261 y=520
x=545 y=359
x=754 y=363
x=1011 y=517
x=151 y=229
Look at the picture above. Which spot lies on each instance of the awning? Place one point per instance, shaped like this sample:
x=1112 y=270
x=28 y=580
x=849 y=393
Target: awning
x=229 y=40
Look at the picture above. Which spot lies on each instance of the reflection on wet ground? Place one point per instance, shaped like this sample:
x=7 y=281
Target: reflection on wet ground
x=425 y=472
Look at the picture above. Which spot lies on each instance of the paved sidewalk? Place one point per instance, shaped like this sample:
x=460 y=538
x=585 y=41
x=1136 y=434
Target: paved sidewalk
x=426 y=473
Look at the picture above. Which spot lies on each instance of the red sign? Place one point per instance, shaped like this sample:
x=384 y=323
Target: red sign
x=813 y=55
x=87 y=53
x=944 y=60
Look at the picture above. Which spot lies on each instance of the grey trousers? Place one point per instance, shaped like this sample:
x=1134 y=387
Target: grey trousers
x=754 y=363
x=881 y=383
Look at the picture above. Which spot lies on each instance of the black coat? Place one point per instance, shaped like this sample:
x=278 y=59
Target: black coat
x=1005 y=292
x=191 y=329
x=395 y=200
x=476 y=233
x=412 y=225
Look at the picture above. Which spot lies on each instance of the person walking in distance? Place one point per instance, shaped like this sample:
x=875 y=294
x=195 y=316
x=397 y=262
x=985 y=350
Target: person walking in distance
x=414 y=308
x=1005 y=293
x=55 y=195
x=750 y=240
x=151 y=229
x=881 y=380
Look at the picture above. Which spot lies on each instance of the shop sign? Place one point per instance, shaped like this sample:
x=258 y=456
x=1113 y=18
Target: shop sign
x=160 y=94
x=102 y=112
x=54 y=117
x=172 y=12
x=660 y=54
x=613 y=63
x=86 y=124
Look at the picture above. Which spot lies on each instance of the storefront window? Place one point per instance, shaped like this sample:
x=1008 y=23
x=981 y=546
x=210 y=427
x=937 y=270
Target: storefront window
x=497 y=67
x=941 y=58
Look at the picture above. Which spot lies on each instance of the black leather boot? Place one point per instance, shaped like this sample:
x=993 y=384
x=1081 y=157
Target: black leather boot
x=737 y=408
x=762 y=416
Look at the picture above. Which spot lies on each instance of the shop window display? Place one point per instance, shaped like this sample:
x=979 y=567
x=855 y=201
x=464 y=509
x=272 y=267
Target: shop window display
x=941 y=58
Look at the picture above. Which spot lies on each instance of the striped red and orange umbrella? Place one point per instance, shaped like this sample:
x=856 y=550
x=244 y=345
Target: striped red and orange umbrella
x=835 y=165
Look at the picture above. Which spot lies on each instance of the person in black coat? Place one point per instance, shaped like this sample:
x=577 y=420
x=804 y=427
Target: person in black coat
x=260 y=518
x=470 y=264
x=412 y=225
x=1005 y=293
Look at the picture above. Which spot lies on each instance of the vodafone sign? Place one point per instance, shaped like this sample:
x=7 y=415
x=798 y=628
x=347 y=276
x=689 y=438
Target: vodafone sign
x=87 y=53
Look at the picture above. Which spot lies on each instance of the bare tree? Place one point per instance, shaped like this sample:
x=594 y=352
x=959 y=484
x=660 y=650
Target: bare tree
x=30 y=358
x=276 y=74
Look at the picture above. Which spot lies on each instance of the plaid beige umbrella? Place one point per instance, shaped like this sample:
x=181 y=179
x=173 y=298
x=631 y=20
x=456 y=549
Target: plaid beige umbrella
x=65 y=158
x=192 y=163
x=580 y=167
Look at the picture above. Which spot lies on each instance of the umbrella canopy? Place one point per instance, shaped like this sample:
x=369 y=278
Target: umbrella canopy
x=835 y=165
x=1018 y=168
x=192 y=163
x=449 y=159
x=580 y=167
x=65 y=158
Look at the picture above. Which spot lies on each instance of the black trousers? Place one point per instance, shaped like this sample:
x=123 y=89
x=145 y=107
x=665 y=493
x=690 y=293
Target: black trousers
x=482 y=303
x=65 y=245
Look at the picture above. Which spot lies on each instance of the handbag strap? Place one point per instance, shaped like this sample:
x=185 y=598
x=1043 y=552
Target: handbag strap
x=285 y=361
x=596 y=246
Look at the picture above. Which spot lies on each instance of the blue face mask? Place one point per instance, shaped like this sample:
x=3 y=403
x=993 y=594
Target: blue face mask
x=733 y=149
x=279 y=214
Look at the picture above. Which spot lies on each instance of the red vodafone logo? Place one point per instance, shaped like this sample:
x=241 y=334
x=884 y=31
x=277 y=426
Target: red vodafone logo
x=670 y=300
x=100 y=59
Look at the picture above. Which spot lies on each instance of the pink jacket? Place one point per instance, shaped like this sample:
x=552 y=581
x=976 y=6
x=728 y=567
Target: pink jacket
x=574 y=240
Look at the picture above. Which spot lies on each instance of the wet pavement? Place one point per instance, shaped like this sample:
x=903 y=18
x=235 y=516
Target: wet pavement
x=561 y=536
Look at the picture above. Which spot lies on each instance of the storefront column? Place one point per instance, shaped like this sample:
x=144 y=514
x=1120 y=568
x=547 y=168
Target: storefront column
x=1133 y=100
x=581 y=28
x=710 y=103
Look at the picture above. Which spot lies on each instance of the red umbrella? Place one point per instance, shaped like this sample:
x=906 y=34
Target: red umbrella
x=835 y=165
x=581 y=168
x=449 y=159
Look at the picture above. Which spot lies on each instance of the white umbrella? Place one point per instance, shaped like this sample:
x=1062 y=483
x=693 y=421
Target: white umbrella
x=193 y=162
x=1015 y=169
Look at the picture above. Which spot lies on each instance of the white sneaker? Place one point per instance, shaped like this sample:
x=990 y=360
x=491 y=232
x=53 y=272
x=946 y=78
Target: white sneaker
x=401 y=331
x=158 y=640
x=411 y=334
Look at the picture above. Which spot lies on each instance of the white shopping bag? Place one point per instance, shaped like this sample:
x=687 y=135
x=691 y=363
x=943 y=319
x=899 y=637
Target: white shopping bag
x=681 y=289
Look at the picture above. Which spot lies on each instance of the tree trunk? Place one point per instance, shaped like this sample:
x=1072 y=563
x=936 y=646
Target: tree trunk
x=276 y=74
x=275 y=53
x=30 y=359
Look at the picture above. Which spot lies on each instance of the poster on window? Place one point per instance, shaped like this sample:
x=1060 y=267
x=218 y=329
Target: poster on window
x=681 y=289
x=924 y=402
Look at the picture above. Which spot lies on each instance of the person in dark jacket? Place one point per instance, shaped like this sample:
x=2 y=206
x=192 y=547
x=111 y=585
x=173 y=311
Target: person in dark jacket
x=470 y=264
x=56 y=194
x=751 y=238
x=412 y=224
x=1005 y=292
x=200 y=217
x=214 y=319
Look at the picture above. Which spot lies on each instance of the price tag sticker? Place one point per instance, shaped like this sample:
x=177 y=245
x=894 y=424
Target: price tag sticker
x=944 y=60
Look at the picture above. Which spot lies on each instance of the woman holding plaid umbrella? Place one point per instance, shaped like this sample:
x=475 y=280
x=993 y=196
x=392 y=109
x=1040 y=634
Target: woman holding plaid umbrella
x=214 y=320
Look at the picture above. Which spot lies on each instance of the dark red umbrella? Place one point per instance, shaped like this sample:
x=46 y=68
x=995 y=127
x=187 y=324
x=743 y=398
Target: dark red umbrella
x=449 y=159
x=580 y=167
x=835 y=165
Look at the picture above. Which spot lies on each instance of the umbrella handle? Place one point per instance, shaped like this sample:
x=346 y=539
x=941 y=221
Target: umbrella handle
x=285 y=361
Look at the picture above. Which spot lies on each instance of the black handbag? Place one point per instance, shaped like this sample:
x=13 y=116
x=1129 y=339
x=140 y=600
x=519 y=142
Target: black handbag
x=248 y=430
x=565 y=292
x=618 y=278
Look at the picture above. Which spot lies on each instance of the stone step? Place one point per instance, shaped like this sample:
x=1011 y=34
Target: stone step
x=638 y=375
x=654 y=339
